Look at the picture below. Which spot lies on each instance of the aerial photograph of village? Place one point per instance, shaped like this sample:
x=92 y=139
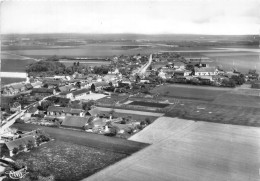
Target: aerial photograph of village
x=130 y=90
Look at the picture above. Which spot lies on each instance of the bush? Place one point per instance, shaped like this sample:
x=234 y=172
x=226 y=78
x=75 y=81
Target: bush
x=21 y=148
x=19 y=120
x=30 y=145
x=113 y=131
x=148 y=121
x=15 y=150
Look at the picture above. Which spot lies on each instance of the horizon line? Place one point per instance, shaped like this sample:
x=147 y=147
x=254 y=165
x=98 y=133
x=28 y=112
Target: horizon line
x=151 y=34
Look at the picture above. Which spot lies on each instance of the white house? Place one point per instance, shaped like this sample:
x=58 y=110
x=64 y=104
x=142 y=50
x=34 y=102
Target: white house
x=205 y=71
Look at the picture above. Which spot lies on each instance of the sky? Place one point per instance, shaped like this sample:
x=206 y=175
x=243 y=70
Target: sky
x=217 y=17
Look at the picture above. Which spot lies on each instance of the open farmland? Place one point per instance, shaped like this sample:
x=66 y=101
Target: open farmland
x=189 y=92
x=218 y=113
x=67 y=161
x=239 y=99
x=188 y=150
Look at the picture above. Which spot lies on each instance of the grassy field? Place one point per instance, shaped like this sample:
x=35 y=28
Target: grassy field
x=238 y=100
x=189 y=92
x=67 y=161
x=218 y=113
x=87 y=139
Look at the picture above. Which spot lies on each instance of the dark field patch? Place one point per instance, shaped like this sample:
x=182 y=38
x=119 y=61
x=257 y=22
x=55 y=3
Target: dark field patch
x=67 y=161
x=189 y=92
x=148 y=104
x=218 y=113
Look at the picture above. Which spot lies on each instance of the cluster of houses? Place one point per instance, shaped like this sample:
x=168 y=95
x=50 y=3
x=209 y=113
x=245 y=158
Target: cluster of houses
x=16 y=88
x=200 y=69
x=13 y=141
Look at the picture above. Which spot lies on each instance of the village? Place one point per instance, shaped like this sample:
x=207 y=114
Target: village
x=114 y=101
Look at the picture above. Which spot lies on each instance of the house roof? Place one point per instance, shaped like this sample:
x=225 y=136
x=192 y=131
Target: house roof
x=52 y=82
x=64 y=109
x=21 y=141
x=28 y=86
x=205 y=69
x=81 y=91
x=17 y=86
x=32 y=110
x=75 y=121
x=109 y=76
x=94 y=111
x=65 y=93
x=99 y=122
x=42 y=90
x=36 y=84
x=100 y=84
x=65 y=88
x=16 y=104
x=58 y=109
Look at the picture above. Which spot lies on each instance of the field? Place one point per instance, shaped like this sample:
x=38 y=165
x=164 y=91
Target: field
x=67 y=161
x=239 y=100
x=5 y=81
x=14 y=65
x=189 y=92
x=88 y=139
x=148 y=104
x=88 y=63
x=187 y=150
x=218 y=113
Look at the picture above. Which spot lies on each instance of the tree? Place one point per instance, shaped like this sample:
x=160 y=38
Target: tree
x=148 y=121
x=87 y=105
x=143 y=123
x=21 y=147
x=30 y=145
x=113 y=131
x=137 y=79
x=15 y=150
x=45 y=104
x=93 y=88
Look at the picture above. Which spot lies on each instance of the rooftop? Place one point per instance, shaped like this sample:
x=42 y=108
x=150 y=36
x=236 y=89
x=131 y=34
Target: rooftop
x=80 y=91
x=74 y=121
x=21 y=141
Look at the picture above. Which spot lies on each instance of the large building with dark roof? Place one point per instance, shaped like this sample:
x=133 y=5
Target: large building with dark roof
x=75 y=122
